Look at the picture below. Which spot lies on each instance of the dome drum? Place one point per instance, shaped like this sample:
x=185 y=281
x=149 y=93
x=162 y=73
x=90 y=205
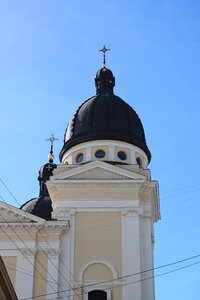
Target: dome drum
x=106 y=150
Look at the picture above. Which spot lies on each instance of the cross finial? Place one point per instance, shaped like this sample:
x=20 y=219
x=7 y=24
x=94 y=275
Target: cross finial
x=51 y=140
x=104 y=50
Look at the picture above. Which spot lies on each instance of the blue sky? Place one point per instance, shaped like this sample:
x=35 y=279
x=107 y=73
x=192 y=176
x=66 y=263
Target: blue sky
x=48 y=60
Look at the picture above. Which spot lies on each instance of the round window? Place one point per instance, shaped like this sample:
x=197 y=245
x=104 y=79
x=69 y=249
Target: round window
x=100 y=153
x=79 y=158
x=122 y=155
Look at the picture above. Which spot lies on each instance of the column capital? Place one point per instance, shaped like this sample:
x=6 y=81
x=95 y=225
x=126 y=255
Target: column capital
x=132 y=211
x=53 y=253
x=63 y=213
x=28 y=253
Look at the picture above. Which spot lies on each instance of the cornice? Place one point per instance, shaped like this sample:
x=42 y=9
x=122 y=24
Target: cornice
x=14 y=214
x=34 y=228
x=148 y=193
x=94 y=185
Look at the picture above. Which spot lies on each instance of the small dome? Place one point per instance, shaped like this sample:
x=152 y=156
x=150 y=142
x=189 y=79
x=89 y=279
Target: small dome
x=103 y=73
x=104 y=81
x=40 y=207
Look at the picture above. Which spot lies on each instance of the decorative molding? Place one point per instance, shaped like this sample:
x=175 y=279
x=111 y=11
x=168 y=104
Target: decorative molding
x=56 y=229
x=17 y=215
x=33 y=228
x=53 y=253
x=145 y=190
x=19 y=227
x=62 y=213
x=46 y=246
x=28 y=253
x=132 y=212
x=98 y=173
x=17 y=245
x=100 y=167
x=99 y=185
x=108 y=264
x=148 y=192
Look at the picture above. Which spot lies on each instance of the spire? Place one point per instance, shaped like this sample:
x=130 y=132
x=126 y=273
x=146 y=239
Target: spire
x=104 y=81
x=51 y=140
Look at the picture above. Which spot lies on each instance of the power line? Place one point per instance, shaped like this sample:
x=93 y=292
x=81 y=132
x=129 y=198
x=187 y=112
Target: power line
x=158 y=275
x=25 y=272
x=105 y=225
x=185 y=188
x=7 y=188
x=43 y=237
x=55 y=282
x=34 y=267
x=134 y=274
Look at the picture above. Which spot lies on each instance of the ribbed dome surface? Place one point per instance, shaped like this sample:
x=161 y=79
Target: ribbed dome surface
x=105 y=116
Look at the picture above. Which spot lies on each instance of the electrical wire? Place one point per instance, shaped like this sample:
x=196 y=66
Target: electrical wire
x=34 y=267
x=43 y=237
x=132 y=282
x=109 y=218
x=10 y=209
x=19 y=204
x=25 y=272
x=7 y=188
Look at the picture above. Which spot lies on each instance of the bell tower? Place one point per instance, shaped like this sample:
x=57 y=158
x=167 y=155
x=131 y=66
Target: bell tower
x=103 y=188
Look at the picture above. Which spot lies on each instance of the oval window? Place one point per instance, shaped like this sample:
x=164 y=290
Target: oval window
x=100 y=154
x=122 y=155
x=79 y=158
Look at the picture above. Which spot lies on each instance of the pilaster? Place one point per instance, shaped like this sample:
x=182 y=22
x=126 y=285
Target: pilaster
x=25 y=260
x=131 y=253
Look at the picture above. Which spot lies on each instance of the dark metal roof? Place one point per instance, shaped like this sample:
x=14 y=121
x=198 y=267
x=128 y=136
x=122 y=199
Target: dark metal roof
x=40 y=207
x=102 y=117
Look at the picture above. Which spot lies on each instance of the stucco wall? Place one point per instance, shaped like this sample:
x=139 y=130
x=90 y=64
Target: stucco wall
x=98 y=237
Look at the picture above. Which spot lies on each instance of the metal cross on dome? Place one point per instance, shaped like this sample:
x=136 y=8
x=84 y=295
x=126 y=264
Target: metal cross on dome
x=104 y=50
x=51 y=140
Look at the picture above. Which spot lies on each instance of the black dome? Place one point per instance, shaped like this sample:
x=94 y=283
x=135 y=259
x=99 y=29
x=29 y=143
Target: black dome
x=40 y=207
x=105 y=117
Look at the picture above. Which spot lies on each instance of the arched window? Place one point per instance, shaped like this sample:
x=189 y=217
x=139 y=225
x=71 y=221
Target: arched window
x=97 y=295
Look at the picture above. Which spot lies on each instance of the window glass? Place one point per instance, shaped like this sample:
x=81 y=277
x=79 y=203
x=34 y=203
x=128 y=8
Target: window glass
x=97 y=295
x=79 y=158
x=100 y=153
x=122 y=155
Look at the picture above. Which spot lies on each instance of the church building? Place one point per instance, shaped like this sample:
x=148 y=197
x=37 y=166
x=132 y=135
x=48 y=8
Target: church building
x=90 y=233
